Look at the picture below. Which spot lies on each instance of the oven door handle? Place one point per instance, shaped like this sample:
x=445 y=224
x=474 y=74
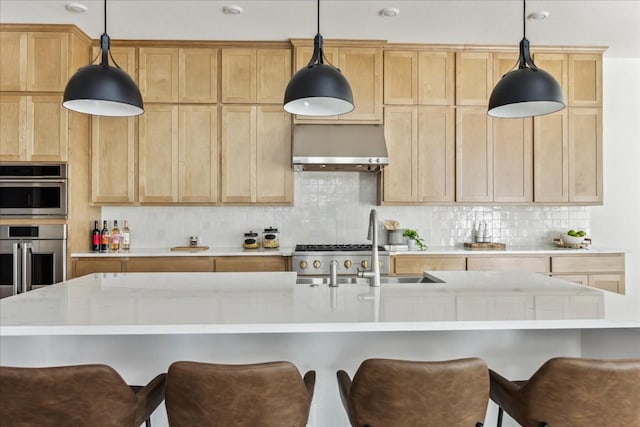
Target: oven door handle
x=42 y=181
x=15 y=268
x=26 y=279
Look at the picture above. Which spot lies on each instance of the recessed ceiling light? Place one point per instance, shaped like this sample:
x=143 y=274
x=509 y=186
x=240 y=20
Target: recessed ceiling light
x=232 y=10
x=76 y=7
x=538 y=16
x=389 y=12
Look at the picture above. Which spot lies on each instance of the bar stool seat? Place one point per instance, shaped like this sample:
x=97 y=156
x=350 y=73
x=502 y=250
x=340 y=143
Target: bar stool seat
x=401 y=393
x=572 y=392
x=257 y=395
x=79 y=395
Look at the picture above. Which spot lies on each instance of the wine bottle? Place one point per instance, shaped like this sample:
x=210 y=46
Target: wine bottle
x=115 y=237
x=104 y=237
x=125 y=240
x=95 y=238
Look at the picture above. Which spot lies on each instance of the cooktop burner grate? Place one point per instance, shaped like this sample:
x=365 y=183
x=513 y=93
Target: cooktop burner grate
x=336 y=248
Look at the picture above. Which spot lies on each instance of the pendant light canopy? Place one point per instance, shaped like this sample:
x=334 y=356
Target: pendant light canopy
x=103 y=90
x=318 y=89
x=527 y=91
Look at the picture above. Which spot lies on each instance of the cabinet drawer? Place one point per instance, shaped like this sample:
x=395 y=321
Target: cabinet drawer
x=154 y=264
x=404 y=265
x=533 y=264
x=587 y=264
x=251 y=263
x=581 y=279
x=83 y=266
x=607 y=282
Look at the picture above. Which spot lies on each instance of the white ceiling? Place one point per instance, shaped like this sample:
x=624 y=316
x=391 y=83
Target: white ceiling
x=611 y=23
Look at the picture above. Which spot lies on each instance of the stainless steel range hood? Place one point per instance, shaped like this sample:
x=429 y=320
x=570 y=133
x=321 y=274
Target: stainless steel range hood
x=358 y=148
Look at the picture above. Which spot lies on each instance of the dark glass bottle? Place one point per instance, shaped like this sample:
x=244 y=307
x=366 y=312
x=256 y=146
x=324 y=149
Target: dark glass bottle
x=95 y=237
x=104 y=234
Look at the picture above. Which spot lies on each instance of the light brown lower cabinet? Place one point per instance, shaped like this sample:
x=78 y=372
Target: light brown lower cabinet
x=535 y=264
x=602 y=271
x=166 y=264
x=252 y=263
x=411 y=265
x=83 y=266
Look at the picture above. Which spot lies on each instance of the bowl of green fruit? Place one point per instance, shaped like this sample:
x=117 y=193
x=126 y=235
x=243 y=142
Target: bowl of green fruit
x=573 y=237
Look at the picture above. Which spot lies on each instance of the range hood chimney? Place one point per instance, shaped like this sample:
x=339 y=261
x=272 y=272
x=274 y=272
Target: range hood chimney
x=359 y=148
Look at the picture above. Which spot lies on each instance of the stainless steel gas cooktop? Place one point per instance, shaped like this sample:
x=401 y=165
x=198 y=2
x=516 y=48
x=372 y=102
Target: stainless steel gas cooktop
x=314 y=260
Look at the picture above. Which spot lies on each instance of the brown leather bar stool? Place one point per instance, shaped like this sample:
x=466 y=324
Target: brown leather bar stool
x=80 y=395
x=262 y=394
x=403 y=393
x=572 y=392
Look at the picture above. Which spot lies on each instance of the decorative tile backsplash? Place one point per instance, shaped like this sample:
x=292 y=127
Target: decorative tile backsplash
x=333 y=207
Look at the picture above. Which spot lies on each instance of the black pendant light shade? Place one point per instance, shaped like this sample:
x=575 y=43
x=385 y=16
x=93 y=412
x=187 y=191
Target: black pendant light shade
x=527 y=91
x=318 y=89
x=103 y=90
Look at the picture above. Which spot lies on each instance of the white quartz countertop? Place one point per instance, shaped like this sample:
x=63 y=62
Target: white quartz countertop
x=288 y=251
x=215 y=303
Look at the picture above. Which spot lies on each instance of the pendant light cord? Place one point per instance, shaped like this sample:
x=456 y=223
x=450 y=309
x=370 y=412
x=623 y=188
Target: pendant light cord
x=318 y=17
x=524 y=19
x=105 y=16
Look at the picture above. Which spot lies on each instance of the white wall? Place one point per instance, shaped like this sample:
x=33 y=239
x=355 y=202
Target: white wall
x=617 y=222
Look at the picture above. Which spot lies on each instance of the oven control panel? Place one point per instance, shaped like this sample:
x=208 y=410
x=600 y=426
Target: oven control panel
x=348 y=264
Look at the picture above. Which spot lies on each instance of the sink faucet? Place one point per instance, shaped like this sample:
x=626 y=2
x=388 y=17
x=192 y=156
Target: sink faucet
x=374 y=274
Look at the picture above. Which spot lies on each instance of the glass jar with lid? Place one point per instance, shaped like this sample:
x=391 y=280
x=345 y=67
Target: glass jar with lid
x=270 y=238
x=251 y=240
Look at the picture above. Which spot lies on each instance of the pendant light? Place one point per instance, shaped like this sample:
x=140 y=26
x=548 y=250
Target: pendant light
x=527 y=91
x=103 y=90
x=318 y=89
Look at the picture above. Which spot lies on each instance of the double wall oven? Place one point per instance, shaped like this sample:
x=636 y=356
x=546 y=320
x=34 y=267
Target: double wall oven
x=31 y=256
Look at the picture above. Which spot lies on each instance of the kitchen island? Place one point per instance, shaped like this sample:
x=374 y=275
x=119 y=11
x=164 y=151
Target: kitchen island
x=141 y=322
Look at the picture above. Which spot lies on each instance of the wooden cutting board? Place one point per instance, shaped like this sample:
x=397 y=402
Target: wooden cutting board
x=492 y=245
x=190 y=248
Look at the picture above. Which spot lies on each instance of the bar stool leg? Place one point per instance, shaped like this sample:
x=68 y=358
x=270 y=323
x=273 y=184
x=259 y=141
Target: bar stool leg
x=500 y=413
x=147 y=423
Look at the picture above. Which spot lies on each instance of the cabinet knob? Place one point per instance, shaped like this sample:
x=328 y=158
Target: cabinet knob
x=347 y=264
x=365 y=264
x=303 y=264
x=317 y=264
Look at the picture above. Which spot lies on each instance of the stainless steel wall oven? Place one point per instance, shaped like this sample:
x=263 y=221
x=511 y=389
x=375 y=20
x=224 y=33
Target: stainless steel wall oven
x=31 y=256
x=29 y=190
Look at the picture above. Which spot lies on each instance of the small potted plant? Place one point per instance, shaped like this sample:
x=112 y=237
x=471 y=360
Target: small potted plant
x=414 y=239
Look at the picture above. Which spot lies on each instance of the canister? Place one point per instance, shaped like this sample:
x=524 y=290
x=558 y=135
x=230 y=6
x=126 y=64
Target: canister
x=251 y=240
x=270 y=238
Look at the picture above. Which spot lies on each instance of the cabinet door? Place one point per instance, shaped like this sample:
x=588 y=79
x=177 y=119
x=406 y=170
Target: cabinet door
x=159 y=74
x=13 y=61
x=113 y=141
x=512 y=178
x=585 y=155
x=13 y=128
x=551 y=158
x=607 y=282
x=412 y=265
x=169 y=264
x=585 y=80
x=124 y=57
x=400 y=77
x=274 y=176
x=435 y=153
x=400 y=176
x=198 y=75
x=474 y=78
x=273 y=73
x=238 y=148
x=47 y=61
x=557 y=65
x=46 y=129
x=302 y=55
x=581 y=279
x=363 y=69
x=251 y=263
x=535 y=264
x=436 y=78
x=85 y=266
x=239 y=76
x=198 y=154
x=474 y=155
x=158 y=155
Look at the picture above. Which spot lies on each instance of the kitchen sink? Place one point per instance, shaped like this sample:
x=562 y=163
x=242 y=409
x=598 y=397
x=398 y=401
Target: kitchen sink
x=316 y=281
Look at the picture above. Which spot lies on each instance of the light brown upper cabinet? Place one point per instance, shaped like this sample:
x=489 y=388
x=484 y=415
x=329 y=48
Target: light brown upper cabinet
x=255 y=76
x=40 y=60
x=256 y=156
x=421 y=148
x=585 y=80
x=551 y=158
x=474 y=155
x=33 y=128
x=113 y=172
x=474 y=77
x=557 y=65
x=512 y=160
x=198 y=75
x=158 y=154
x=158 y=74
x=198 y=154
x=361 y=64
x=419 y=77
x=585 y=155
